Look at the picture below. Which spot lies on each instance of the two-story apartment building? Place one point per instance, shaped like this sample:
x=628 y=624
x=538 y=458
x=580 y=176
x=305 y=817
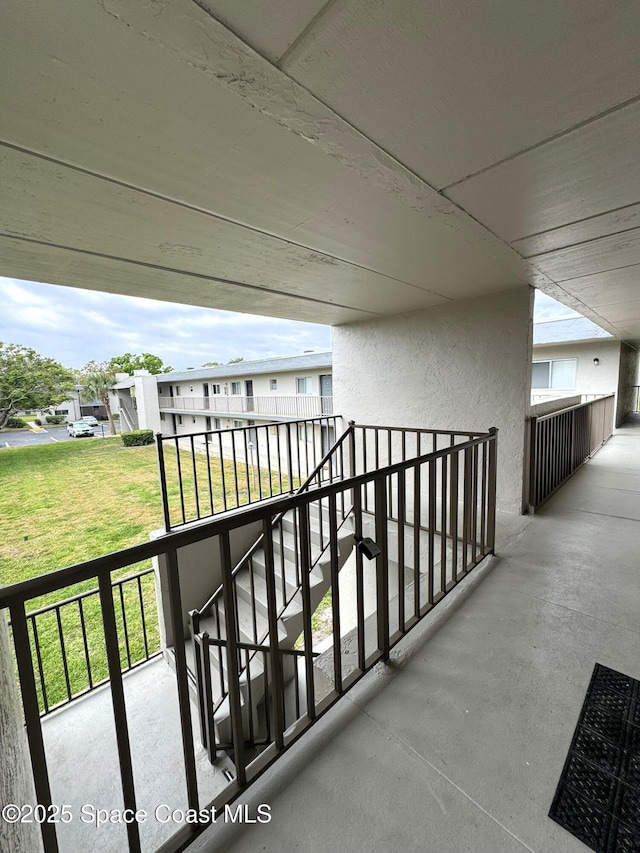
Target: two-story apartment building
x=239 y=395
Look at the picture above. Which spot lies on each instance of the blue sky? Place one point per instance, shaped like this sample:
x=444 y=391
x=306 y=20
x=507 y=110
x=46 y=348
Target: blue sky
x=75 y=326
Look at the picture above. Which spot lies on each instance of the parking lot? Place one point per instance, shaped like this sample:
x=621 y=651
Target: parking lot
x=24 y=437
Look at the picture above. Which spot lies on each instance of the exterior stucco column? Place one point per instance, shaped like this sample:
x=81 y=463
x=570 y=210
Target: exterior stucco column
x=16 y=780
x=463 y=365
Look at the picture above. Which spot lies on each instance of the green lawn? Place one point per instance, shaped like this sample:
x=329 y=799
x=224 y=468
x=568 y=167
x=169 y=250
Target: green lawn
x=64 y=503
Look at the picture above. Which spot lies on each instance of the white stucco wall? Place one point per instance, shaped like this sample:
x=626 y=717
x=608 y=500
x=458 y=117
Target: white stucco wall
x=146 y=392
x=466 y=365
x=590 y=378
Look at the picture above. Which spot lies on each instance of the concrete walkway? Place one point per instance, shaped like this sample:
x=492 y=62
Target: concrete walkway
x=458 y=743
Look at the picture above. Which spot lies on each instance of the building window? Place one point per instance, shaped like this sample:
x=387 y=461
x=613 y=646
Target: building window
x=238 y=424
x=177 y=390
x=253 y=434
x=180 y=419
x=207 y=424
x=236 y=387
x=559 y=374
x=273 y=384
x=161 y=416
x=215 y=389
x=57 y=412
x=217 y=423
x=304 y=385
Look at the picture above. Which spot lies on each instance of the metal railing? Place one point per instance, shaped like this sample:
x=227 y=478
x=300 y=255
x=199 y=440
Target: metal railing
x=288 y=585
x=205 y=473
x=292 y=406
x=56 y=629
x=444 y=525
x=563 y=441
x=129 y=411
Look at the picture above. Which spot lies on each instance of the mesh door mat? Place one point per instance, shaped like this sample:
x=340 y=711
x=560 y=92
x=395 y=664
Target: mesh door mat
x=598 y=796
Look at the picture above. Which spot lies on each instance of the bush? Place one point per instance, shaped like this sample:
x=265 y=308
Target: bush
x=15 y=423
x=54 y=419
x=38 y=422
x=137 y=437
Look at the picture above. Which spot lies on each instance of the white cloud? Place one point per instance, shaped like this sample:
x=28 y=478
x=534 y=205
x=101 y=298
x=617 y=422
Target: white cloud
x=75 y=326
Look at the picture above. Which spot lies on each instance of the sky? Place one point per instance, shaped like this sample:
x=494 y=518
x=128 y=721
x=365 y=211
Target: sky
x=75 y=326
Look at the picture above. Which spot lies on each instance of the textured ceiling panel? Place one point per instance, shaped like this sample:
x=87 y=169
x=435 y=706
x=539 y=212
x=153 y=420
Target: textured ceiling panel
x=582 y=174
x=450 y=88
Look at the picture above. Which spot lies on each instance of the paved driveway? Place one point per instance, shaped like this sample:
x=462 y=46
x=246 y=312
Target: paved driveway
x=24 y=437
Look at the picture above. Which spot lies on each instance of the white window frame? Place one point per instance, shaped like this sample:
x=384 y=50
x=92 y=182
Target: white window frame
x=308 y=384
x=215 y=389
x=273 y=385
x=236 y=389
x=550 y=385
x=238 y=424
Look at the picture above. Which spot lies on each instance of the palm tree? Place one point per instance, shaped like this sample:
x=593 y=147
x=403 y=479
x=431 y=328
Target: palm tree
x=97 y=382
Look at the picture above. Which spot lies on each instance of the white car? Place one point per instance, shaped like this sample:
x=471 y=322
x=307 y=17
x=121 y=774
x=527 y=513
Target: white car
x=79 y=428
x=89 y=419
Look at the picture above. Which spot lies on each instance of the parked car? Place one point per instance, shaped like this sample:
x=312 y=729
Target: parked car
x=79 y=428
x=89 y=419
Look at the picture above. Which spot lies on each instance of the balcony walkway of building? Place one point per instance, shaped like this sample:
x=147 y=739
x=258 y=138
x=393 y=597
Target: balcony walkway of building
x=457 y=744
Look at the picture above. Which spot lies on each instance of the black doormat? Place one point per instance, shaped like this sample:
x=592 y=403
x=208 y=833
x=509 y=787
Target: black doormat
x=598 y=796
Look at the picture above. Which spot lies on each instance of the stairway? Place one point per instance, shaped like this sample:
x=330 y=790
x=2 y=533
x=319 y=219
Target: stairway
x=250 y=583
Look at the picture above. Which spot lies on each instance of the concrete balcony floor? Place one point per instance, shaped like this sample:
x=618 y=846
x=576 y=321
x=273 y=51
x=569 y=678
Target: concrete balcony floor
x=457 y=744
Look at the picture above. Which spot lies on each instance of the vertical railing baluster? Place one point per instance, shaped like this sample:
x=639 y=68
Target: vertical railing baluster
x=453 y=503
x=492 y=476
x=382 y=566
x=180 y=483
x=195 y=476
x=416 y=540
x=223 y=484
x=335 y=592
x=85 y=643
x=119 y=707
x=402 y=511
x=207 y=442
x=305 y=568
x=357 y=525
x=124 y=626
x=207 y=721
x=63 y=652
x=143 y=620
x=431 y=524
x=162 y=473
x=36 y=642
x=443 y=522
x=233 y=670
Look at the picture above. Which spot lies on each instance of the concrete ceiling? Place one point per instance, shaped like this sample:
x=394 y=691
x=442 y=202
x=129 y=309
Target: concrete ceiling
x=324 y=161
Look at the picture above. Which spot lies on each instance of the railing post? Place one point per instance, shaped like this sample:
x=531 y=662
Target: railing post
x=274 y=651
x=492 y=478
x=233 y=670
x=175 y=607
x=32 y=719
x=163 y=483
x=533 y=460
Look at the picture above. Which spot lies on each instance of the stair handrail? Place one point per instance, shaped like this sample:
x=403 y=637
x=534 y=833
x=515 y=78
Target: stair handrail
x=197 y=612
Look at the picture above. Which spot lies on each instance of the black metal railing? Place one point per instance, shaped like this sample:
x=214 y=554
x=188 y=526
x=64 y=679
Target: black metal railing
x=68 y=652
x=433 y=520
x=205 y=473
x=433 y=517
x=250 y=577
x=562 y=441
